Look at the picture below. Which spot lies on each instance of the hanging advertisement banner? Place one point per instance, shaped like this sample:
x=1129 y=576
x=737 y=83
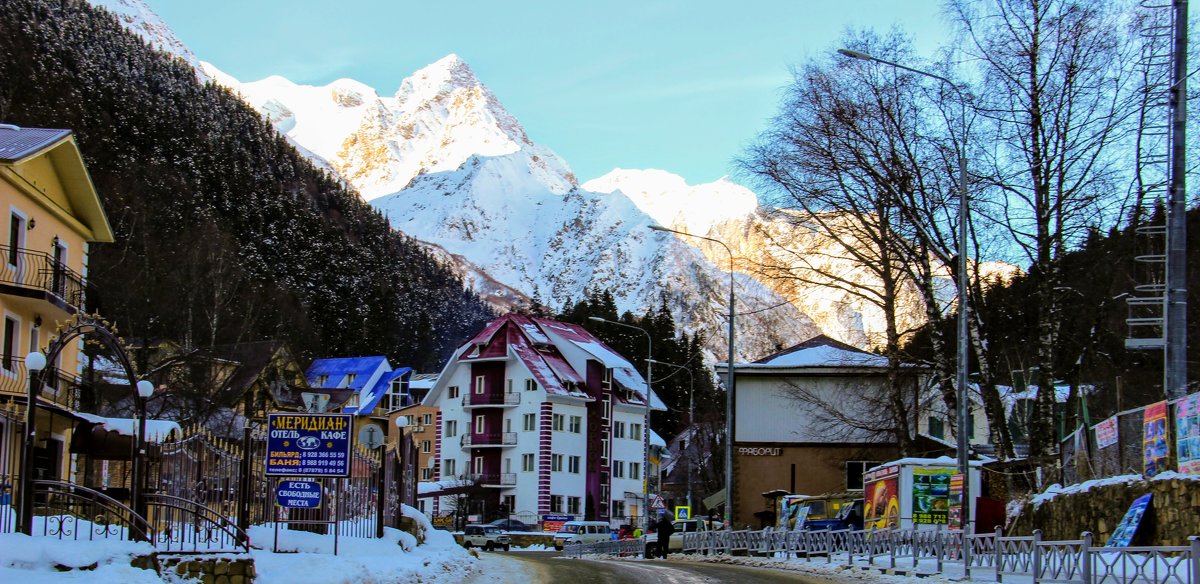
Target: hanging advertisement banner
x=955 y=501
x=1187 y=433
x=881 y=498
x=1156 y=454
x=1123 y=534
x=1106 y=433
x=931 y=495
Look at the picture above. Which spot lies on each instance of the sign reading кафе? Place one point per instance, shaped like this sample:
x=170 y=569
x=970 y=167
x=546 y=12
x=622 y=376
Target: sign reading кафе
x=308 y=445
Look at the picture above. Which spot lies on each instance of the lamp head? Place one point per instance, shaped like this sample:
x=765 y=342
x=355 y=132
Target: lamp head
x=855 y=54
x=145 y=388
x=35 y=361
x=659 y=228
x=597 y=319
x=401 y=421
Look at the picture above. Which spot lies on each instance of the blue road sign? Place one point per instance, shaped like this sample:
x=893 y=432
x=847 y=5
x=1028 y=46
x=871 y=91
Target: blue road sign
x=308 y=445
x=298 y=494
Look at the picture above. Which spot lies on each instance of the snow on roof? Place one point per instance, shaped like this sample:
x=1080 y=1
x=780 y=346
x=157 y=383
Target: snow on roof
x=819 y=351
x=1009 y=395
x=336 y=368
x=917 y=461
x=632 y=380
x=556 y=378
x=624 y=373
x=156 y=430
x=656 y=440
x=427 y=488
x=422 y=380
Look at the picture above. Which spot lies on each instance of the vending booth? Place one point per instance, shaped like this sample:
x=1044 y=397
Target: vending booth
x=921 y=492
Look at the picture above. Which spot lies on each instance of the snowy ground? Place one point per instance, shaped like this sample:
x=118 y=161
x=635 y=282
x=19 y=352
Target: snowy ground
x=303 y=558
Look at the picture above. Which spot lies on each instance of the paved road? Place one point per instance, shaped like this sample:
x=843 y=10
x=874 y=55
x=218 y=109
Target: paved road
x=522 y=567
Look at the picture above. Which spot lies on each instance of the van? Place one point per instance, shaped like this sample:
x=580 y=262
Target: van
x=582 y=532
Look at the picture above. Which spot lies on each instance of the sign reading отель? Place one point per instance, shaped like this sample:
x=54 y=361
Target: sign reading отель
x=308 y=445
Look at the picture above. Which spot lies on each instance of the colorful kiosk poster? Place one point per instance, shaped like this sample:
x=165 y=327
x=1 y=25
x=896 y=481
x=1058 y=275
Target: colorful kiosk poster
x=1156 y=454
x=954 y=516
x=881 y=497
x=1106 y=433
x=931 y=495
x=1187 y=434
x=1123 y=534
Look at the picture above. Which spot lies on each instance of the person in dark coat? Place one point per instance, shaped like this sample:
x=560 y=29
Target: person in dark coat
x=665 y=529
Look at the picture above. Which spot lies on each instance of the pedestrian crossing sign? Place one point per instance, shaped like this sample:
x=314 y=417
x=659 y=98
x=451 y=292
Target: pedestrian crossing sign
x=683 y=513
x=657 y=503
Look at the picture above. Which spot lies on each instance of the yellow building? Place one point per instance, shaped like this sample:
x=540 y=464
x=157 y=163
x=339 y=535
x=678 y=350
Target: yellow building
x=53 y=214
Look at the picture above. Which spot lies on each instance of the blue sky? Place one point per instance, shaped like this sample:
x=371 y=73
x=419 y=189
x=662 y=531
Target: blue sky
x=677 y=85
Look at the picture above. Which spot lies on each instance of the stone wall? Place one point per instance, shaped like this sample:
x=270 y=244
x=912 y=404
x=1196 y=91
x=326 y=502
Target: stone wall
x=209 y=569
x=1175 y=509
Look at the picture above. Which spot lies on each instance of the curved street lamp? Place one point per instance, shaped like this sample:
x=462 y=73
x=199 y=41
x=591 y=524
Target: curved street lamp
x=35 y=362
x=646 y=423
x=729 y=379
x=145 y=389
x=963 y=444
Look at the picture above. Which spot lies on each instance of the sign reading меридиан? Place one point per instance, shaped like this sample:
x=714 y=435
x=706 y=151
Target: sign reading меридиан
x=308 y=445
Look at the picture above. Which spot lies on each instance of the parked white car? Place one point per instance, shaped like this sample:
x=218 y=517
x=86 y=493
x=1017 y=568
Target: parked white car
x=488 y=537
x=582 y=532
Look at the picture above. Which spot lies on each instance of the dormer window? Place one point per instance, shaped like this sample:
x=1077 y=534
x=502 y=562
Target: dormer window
x=350 y=379
x=322 y=380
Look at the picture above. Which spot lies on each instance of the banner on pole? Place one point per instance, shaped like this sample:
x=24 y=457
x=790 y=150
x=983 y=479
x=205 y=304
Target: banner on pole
x=1106 y=433
x=1187 y=433
x=1156 y=454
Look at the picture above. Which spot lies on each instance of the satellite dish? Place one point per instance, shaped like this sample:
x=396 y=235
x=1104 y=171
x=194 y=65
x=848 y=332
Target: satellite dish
x=314 y=403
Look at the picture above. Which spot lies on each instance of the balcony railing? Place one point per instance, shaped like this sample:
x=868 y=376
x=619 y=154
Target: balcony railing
x=502 y=479
x=57 y=386
x=489 y=439
x=37 y=271
x=492 y=399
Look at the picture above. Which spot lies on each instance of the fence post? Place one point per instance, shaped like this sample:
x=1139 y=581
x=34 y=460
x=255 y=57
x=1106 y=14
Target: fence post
x=1037 y=555
x=1194 y=552
x=968 y=546
x=938 y=545
x=1085 y=557
x=829 y=546
x=999 y=558
x=892 y=547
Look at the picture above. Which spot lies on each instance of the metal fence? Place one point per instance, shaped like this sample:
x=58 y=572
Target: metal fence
x=931 y=550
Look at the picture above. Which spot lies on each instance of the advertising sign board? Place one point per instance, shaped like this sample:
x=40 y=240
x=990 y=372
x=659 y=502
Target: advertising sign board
x=1106 y=433
x=931 y=495
x=881 y=498
x=1156 y=455
x=555 y=522
x=298 y=494
x=308 y=445
x=1187 y=434
x=1123 y=534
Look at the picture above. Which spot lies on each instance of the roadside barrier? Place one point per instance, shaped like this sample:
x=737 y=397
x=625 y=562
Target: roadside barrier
x=931 y=549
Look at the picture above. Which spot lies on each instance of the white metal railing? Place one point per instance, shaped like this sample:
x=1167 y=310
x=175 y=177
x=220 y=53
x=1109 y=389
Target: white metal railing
x=930 y=549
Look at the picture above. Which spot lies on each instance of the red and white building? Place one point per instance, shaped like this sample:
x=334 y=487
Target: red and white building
x=547 y=418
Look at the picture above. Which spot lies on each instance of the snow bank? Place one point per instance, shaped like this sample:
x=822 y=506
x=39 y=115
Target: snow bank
x=33 y=560
x=1056 y=489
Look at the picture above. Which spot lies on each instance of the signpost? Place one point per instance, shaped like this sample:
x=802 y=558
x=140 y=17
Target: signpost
x=309 y=446
x=683 y=512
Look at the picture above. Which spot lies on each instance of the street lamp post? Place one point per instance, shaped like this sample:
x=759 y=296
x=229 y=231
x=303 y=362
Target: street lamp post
x=729 y=379
x=691 y=420
x=963 y=444
x=646 y=415
x=35 y=362
x=145 y=389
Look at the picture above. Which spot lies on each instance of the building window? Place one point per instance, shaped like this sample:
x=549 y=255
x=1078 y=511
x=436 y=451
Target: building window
x=322 y=380
x=350 y=379
x=635 y=431
x=527 y=462
x=635 y=470
x=618 y=509
x=573 y=505
x=16 y=236
x=478 y=465
x=937 y=428
x=426 y=474
x=618 y=429
x=508 y=385
x=397 y=396
x=428 y=419
x=478 y=384
x=426 y=446
x=576 y=424
x=556 y=462
x=573 y=464
x=556 y=503
x=619 y=469
x=451 y=428
x=854 y=473
x=970 y=426
x=508 y=424
x=509 y=502
x=448 y=466
x=558 y=422
x=604 y=448
x=530 y=422
x=10 y=344
x=453 y=390
x=530 y=385
x=479 y=420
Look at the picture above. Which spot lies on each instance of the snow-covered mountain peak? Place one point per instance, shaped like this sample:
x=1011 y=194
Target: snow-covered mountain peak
x=444 y=75
x=672 y=202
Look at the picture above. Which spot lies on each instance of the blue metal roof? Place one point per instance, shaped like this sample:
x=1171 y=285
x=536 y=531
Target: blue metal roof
x=337 y=368
x=18 y=143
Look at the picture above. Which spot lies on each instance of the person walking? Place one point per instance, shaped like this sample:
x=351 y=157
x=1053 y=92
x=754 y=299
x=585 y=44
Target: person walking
x=665 y=529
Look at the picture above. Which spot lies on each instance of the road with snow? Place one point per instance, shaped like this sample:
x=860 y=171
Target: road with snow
x=518 y=567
